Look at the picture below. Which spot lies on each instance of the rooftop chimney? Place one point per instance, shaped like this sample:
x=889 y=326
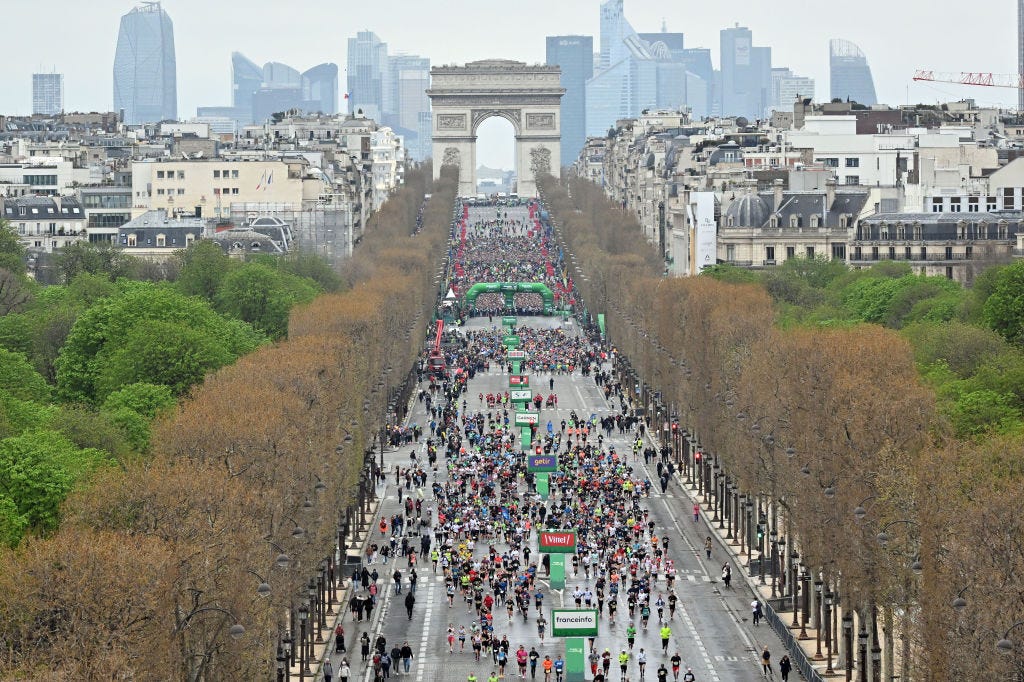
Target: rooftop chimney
x=777 y=193
x=830 y=193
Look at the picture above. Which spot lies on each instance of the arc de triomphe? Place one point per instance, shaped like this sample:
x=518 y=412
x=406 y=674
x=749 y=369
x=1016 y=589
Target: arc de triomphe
x=462 y=97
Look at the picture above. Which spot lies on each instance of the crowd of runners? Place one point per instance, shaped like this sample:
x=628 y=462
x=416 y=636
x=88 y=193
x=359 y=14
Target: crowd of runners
x=470 y=510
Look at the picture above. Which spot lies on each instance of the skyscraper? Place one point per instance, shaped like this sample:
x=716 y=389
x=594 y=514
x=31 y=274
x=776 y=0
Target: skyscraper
x=1020 y=51
x=849 y=73
x=367 y=72
x=406 y=101
x=47 y=93
x=746 y=74
x=145 y=72
x=575 y=55
x=258 y=92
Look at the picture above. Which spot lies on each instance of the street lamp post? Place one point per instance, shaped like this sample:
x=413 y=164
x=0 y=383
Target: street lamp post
x=862 y=640
x=805 y=584
x=817 y=620
x=782 y=568
x=713 y=501
x=730 y=490
x=303 y=664
x=848 y=643
x=740 y=526
x=828 y=632
x=794 y=568
x=750 y=515
x=774 y=556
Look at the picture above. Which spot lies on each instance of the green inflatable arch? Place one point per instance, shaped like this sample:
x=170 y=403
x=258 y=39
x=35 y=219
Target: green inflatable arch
x=508 y=290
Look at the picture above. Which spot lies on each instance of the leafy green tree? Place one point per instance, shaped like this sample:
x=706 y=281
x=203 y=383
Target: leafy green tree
x=147 y=399
x=17 y=416
x=20 y=379
x=12 y=253
x=104 y=328
x=977 y=412
x=1004 y=309
x=919 y=296
x=12 y=523
x=730 y=273
x=313 y=267
x=15 y=292
x=89 y=428
x=203 y=267
x=981 y=288
x=263 y=297
x=38 y=468
x=95 y=258
x=962 y=347
x=134 y=426
x=159 y=352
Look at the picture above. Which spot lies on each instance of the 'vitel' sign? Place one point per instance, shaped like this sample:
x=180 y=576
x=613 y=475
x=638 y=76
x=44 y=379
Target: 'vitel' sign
x=519 y=380
x=558 y=541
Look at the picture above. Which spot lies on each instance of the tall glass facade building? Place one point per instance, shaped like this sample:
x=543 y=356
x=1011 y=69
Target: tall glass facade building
x=47 y=93
x=367 y=73
x=145 y=72
x=849 y=73
x=746 y=75
x=575 y=56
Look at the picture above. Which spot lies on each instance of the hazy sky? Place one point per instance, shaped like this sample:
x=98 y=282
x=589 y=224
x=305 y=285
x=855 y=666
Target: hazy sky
x=78 y=38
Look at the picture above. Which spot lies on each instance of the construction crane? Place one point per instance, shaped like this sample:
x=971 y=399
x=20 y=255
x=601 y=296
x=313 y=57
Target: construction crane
x=991 y=80
x=435 y=358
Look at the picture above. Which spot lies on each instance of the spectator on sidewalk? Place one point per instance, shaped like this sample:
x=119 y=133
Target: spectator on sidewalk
x=755 y=611
x=328 y=670
x=784 y=667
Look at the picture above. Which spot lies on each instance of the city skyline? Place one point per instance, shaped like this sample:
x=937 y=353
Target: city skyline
x=803 y=47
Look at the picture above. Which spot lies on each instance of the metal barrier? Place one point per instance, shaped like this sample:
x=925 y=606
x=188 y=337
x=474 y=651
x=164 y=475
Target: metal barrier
x=796 y=654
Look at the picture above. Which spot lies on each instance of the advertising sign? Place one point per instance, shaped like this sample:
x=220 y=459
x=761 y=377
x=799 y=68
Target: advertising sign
x=509 y=321
x=706 y=238
x=517 y=355
x=526 y=418
x=574 y=622
x=560 y=541
x=519 y=380
x=537 y=463
x=521 y=395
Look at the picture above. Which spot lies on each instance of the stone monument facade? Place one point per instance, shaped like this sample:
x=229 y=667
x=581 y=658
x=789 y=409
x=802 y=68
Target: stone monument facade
x=529 y=97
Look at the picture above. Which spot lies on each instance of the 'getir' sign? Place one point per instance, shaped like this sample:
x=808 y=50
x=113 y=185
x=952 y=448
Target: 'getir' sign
x=558 y=541
x=541 y=463
x=519 y=380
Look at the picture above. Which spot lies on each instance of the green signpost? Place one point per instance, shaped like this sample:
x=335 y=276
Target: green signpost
x=520 y=395
x=511 y=341
x=574 y=624
x=508 y=321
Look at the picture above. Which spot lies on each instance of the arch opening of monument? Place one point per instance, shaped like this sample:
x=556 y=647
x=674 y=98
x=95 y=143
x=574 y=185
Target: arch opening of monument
x=496 y=149
x=529 y=97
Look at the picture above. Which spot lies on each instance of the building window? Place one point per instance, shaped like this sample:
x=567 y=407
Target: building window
x=917 y=231
x=852 y=179
x=132 y=239
x=968 y=252
x=815 y=220
x=226 y=190
x=937 y=206
x=874 y=253
x=892 y=253
x=790 y=252
x=839 y=252
x=216 y=174
x=852 y=163
x=1002 y=229
x=961 y=229
x=857 y=253
x=794 y=221
x=773 y=221
x=181 y=175
x=769 y=255
x=924 y=253
x=160 y=190
x=901 y=231
x=234 y=190
x=181 y=191
x=159 y=175
x=730 y=253
x=234 y=175
x=830 y=162
x=161 y=240
x=906 y=253
x=949 y=272
x=954 y=205
x=883 y=231
x=809 y=251
x=844 y=222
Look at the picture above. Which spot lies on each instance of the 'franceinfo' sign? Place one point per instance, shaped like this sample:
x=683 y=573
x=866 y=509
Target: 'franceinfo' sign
x=574 y=622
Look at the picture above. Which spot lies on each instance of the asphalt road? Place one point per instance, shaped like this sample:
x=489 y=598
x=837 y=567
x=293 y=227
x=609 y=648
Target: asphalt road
x=711 y=629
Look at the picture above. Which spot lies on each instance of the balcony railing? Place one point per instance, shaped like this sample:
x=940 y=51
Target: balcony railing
x=928 y=258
